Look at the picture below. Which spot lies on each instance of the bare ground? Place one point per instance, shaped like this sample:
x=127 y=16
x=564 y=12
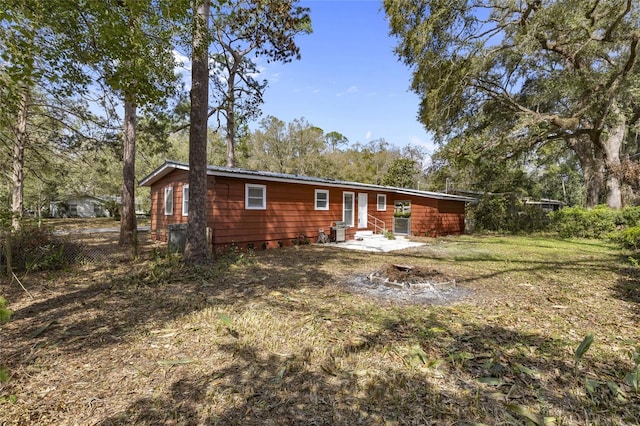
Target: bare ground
x=284 y=337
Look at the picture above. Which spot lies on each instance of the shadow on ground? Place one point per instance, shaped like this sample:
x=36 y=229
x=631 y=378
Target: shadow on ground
x=423 y=365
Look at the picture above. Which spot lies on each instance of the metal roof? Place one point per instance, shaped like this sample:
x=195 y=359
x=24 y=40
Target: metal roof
x=170 y=166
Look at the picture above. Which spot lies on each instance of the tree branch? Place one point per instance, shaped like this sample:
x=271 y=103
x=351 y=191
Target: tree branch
x=619 y=18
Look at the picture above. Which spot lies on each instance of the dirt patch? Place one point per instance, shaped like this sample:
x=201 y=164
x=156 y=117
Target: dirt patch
x=409 y=284
x=414 y=274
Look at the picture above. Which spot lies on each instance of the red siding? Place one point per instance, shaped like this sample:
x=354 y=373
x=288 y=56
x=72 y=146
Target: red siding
x=290 y=212
x=160 y=221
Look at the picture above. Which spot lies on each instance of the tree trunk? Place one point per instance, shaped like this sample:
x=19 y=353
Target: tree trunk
x=230 y=139
x=592 y=164
x=611 y=147
x=197 y=247
x=231 y=121
x=128 y=225
x=17 y=177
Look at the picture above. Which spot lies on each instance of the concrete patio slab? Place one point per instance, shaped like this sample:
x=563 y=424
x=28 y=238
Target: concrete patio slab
x=377 y=243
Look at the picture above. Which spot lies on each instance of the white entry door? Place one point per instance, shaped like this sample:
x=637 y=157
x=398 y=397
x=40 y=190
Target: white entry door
x=363 y=201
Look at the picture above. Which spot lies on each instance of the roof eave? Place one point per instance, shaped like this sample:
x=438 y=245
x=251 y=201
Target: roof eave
x=169 y=166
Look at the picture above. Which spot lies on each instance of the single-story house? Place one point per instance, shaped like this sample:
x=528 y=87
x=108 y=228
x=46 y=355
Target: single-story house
x=265 y=209
x=80 y=206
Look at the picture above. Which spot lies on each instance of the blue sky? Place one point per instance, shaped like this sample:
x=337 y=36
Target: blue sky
x=348 y=79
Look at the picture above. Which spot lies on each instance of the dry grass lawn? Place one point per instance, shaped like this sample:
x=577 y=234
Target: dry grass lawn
x=284 y=337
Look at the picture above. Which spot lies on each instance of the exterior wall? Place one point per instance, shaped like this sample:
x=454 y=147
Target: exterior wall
x=424 y=216
x=386 y=216
x=159 y=221
x=452 y=215
x=429 y=217
x=290 y=212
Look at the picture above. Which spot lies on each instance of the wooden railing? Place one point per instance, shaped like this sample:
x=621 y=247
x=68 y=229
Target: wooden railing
x=377 y=228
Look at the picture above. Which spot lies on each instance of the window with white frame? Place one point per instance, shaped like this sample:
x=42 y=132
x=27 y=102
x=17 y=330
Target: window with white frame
x=322 y=199
x=382 y=202
x=168 y=200
x=185 y=200
x=255 y=197
x=348 y=207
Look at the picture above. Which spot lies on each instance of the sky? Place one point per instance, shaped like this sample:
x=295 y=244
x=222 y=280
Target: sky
x=348 y=80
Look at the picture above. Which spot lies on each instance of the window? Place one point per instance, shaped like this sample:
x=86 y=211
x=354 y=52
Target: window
x=168 y=200
x=255 y=197
x=185 y=200
x=347 y=208
x=382 y=202
x=322 y=199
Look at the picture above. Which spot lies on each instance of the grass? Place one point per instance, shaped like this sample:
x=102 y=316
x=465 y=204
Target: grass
x=284 y=337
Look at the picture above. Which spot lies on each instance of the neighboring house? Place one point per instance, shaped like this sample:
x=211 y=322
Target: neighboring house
x=264 y=209
x=545 y=204
x=83 y=206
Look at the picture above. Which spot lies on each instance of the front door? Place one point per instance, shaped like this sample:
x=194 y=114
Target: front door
x=363 y=201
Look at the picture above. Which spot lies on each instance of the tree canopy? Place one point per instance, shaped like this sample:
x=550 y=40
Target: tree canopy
x=521 y=74
x=250 y=27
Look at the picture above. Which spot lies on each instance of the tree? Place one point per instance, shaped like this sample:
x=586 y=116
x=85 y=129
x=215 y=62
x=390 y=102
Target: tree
x=294 y=147
x=336 y=140
x=242 y=28
x=528 y=71
x=401 y=174
x=36 y=55
x=131 y=48
x=197 y=247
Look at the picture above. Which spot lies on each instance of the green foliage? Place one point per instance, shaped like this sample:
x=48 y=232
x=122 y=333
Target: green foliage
x=113 y=207
x=507 y=213
x=402 y=214
x=388 y=234
x=628 y=238
x=604 y=389
x=582 y=349
x=631 y=216
x=300 y=240
x=599 y=222
x=242 y=30
x=401 y=174
x=36 y=249
x=5 y=313
x=633 y=377
x=519 y=76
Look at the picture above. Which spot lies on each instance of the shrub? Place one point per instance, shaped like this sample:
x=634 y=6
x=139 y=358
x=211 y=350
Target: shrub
x=507 y=213
x=631 y=216
x=300 y=240
x=36 y=249
x=491 y=213
x=5 y=315
x=628 y=238
x=578 y=222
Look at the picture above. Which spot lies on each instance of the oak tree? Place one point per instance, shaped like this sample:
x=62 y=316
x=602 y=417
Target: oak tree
x=529 y=72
